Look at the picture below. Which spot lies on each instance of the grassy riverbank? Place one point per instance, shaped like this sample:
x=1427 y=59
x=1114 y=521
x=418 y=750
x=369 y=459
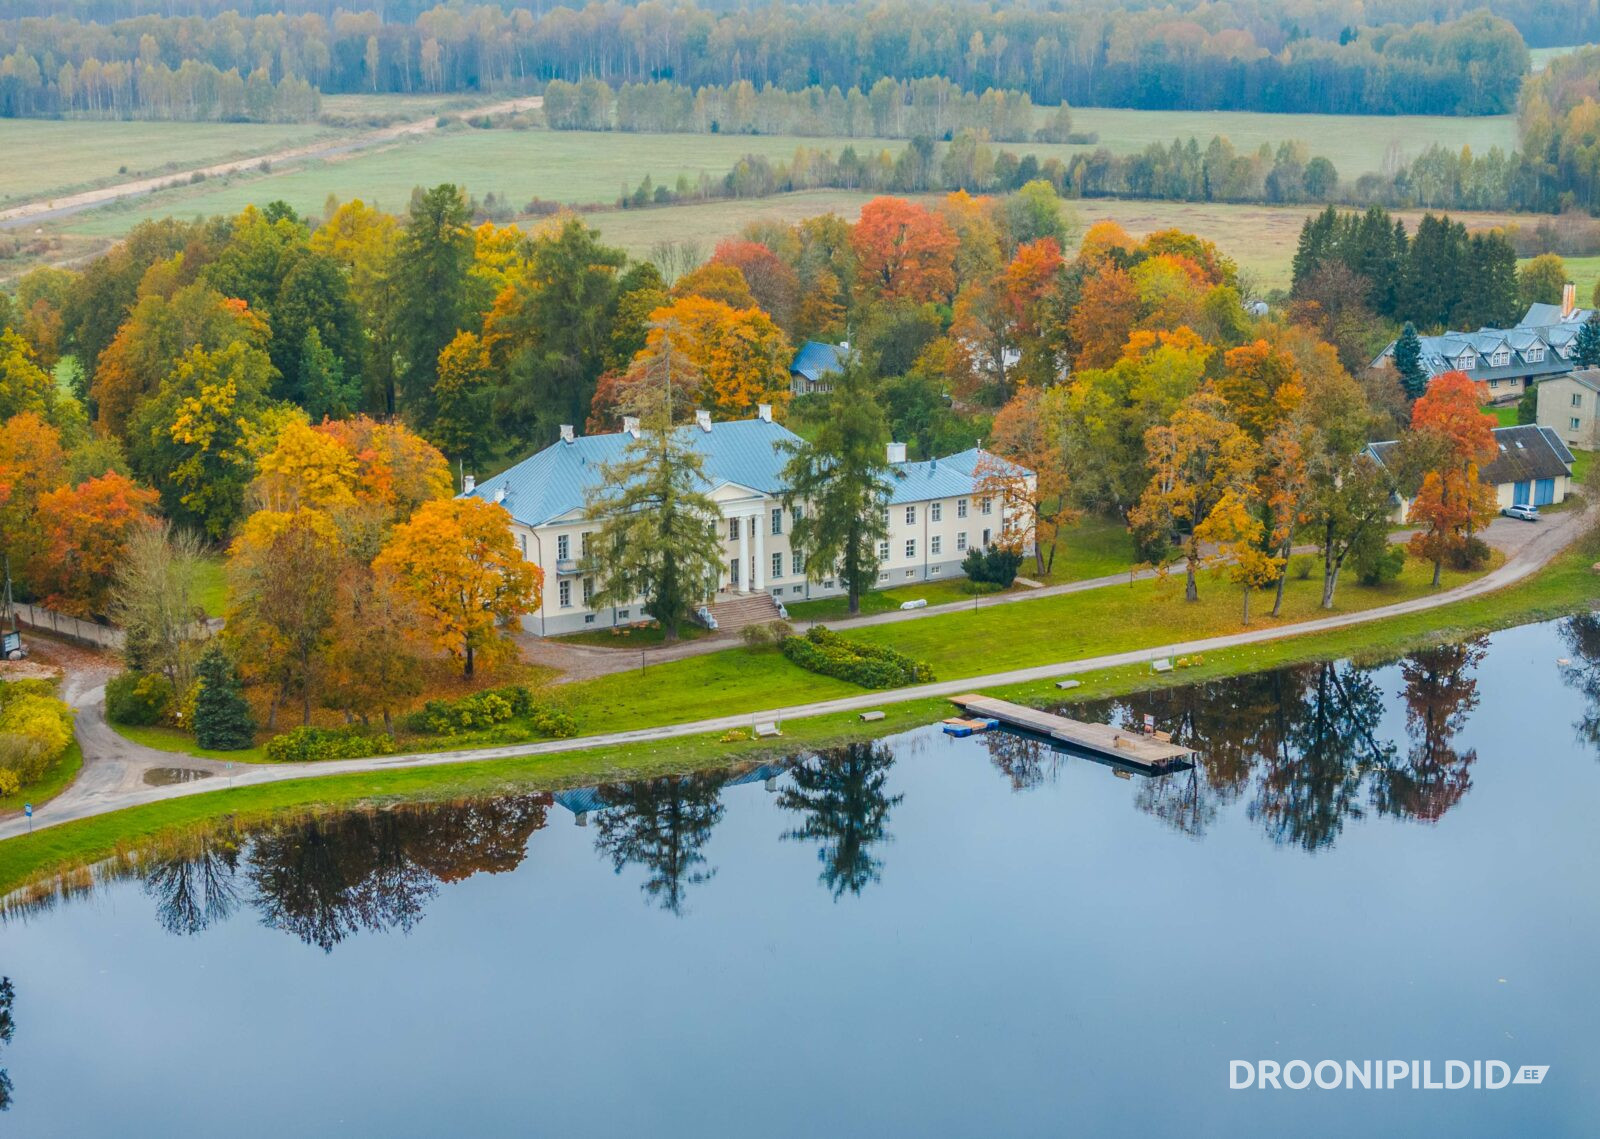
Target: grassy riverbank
x=1567 y=585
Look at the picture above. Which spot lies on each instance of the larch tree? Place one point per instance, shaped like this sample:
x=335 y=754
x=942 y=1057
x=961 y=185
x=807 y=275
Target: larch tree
x=154 y=600
x=457 y=563
x=839 y=484
x=1194 y=460
x=657 y=528
x=463 y=422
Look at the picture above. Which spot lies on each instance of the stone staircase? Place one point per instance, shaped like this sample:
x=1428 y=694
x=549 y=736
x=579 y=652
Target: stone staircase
x=734 y=611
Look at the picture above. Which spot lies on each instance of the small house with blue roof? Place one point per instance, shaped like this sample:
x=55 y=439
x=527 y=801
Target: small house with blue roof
x=937 y=511
x=814 y=367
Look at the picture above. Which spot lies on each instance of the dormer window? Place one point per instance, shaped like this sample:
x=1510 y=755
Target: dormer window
x=1500 y=359
x=1534 y=355
x=1466 y=361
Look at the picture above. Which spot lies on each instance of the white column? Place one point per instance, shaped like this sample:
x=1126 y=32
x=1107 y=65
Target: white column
x=760 y=576
x=744 y=555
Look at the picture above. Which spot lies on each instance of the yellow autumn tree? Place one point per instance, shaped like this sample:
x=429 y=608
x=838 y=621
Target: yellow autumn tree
x=741 y=355
x=1236 y=533
x=305 y=468
x=456 y=561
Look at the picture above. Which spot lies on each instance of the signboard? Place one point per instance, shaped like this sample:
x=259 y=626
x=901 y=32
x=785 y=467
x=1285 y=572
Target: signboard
x=10 y=642
x=27 y=809
x=1149 y=724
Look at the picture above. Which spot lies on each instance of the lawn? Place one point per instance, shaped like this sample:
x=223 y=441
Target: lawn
x=1114 y=619
x=211 y=586
x=163 y=738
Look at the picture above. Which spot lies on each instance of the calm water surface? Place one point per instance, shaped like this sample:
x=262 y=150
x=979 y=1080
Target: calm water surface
x=927 y=936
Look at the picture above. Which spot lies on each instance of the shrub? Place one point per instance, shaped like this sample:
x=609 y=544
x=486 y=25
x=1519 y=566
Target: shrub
x=828 y=654
x=1302 y=567
x=9 y=783
x=1379 y=565
x=1470 y=555
x=487 y=709
x=308 y=744
x=995 y=565
x=138 y=699
x=766 y=634
x=35 y=729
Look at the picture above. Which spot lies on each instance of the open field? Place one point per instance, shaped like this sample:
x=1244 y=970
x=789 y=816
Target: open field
x=48 y=156
x=1540 y=57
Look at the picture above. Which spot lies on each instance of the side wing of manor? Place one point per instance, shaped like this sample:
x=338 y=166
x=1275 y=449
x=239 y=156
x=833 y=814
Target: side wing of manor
x=1507 y=361
x=937 y=511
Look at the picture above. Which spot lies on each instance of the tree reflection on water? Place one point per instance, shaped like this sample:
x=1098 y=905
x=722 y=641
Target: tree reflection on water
x=1301 y=747
x=841 y=795
x=661 y=825
x=326 y=878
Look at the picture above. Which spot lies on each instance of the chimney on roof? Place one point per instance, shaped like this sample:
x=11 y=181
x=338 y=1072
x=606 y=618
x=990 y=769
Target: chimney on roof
x=566 y=433
x=630 y=425
x=897 y=452
x=702 y=419
x=469 y=483
x=1569 y=299
x=764 y=412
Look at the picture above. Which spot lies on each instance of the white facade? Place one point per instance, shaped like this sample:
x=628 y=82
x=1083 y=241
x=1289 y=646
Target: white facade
x=934 y=517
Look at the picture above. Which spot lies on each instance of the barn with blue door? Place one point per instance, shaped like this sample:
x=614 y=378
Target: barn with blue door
x=1532 y=466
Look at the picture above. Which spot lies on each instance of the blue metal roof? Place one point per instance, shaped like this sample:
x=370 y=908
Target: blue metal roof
x=552 y=483
x=950 y=477
x=816 y=359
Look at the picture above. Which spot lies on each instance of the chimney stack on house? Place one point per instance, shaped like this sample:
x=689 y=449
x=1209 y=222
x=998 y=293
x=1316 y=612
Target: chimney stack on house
x=566 y=433
x=702 y=419
x=630 y=424
x=469 y=483
x=897 y=452
x=764 y=412
x=1569 y=299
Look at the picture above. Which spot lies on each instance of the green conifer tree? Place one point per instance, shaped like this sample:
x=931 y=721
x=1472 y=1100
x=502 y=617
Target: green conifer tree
x=1408 y=362
x=222 y=719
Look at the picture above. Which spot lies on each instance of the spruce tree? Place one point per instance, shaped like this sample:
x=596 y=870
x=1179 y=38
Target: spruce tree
x=222 y=719
x=1588 y=344
x=1408 y=362
x=840 y=480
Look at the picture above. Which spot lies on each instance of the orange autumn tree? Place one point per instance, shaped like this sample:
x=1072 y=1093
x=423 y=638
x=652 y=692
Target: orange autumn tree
x=1262 y=385
x=1037 y=507
x=723 y=283
x=1106 y=313
x=395 y=469
x=1452 y=501
x=904 y=252
x=742 y=358
x=1000 y=316
x=457 y=563
x=85 y=534
x=32 y=464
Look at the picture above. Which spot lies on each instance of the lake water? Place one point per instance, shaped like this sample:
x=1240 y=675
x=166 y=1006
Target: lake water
x=923 y=937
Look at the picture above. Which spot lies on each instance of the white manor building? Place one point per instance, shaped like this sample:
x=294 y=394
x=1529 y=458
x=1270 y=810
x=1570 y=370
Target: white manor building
x=936 y=513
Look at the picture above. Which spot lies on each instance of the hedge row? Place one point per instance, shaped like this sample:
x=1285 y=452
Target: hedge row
x=826 y=652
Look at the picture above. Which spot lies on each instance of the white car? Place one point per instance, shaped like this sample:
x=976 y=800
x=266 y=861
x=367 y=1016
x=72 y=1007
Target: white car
x=1523 y=511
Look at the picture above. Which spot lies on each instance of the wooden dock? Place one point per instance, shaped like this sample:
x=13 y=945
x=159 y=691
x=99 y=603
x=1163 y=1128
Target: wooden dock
x=1120 y=744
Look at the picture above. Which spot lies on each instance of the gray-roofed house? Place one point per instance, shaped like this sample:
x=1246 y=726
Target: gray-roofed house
x=1533 y=466
x=1505 y=361
x=936 y=511
x=1570 y=406
x=814 y=365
